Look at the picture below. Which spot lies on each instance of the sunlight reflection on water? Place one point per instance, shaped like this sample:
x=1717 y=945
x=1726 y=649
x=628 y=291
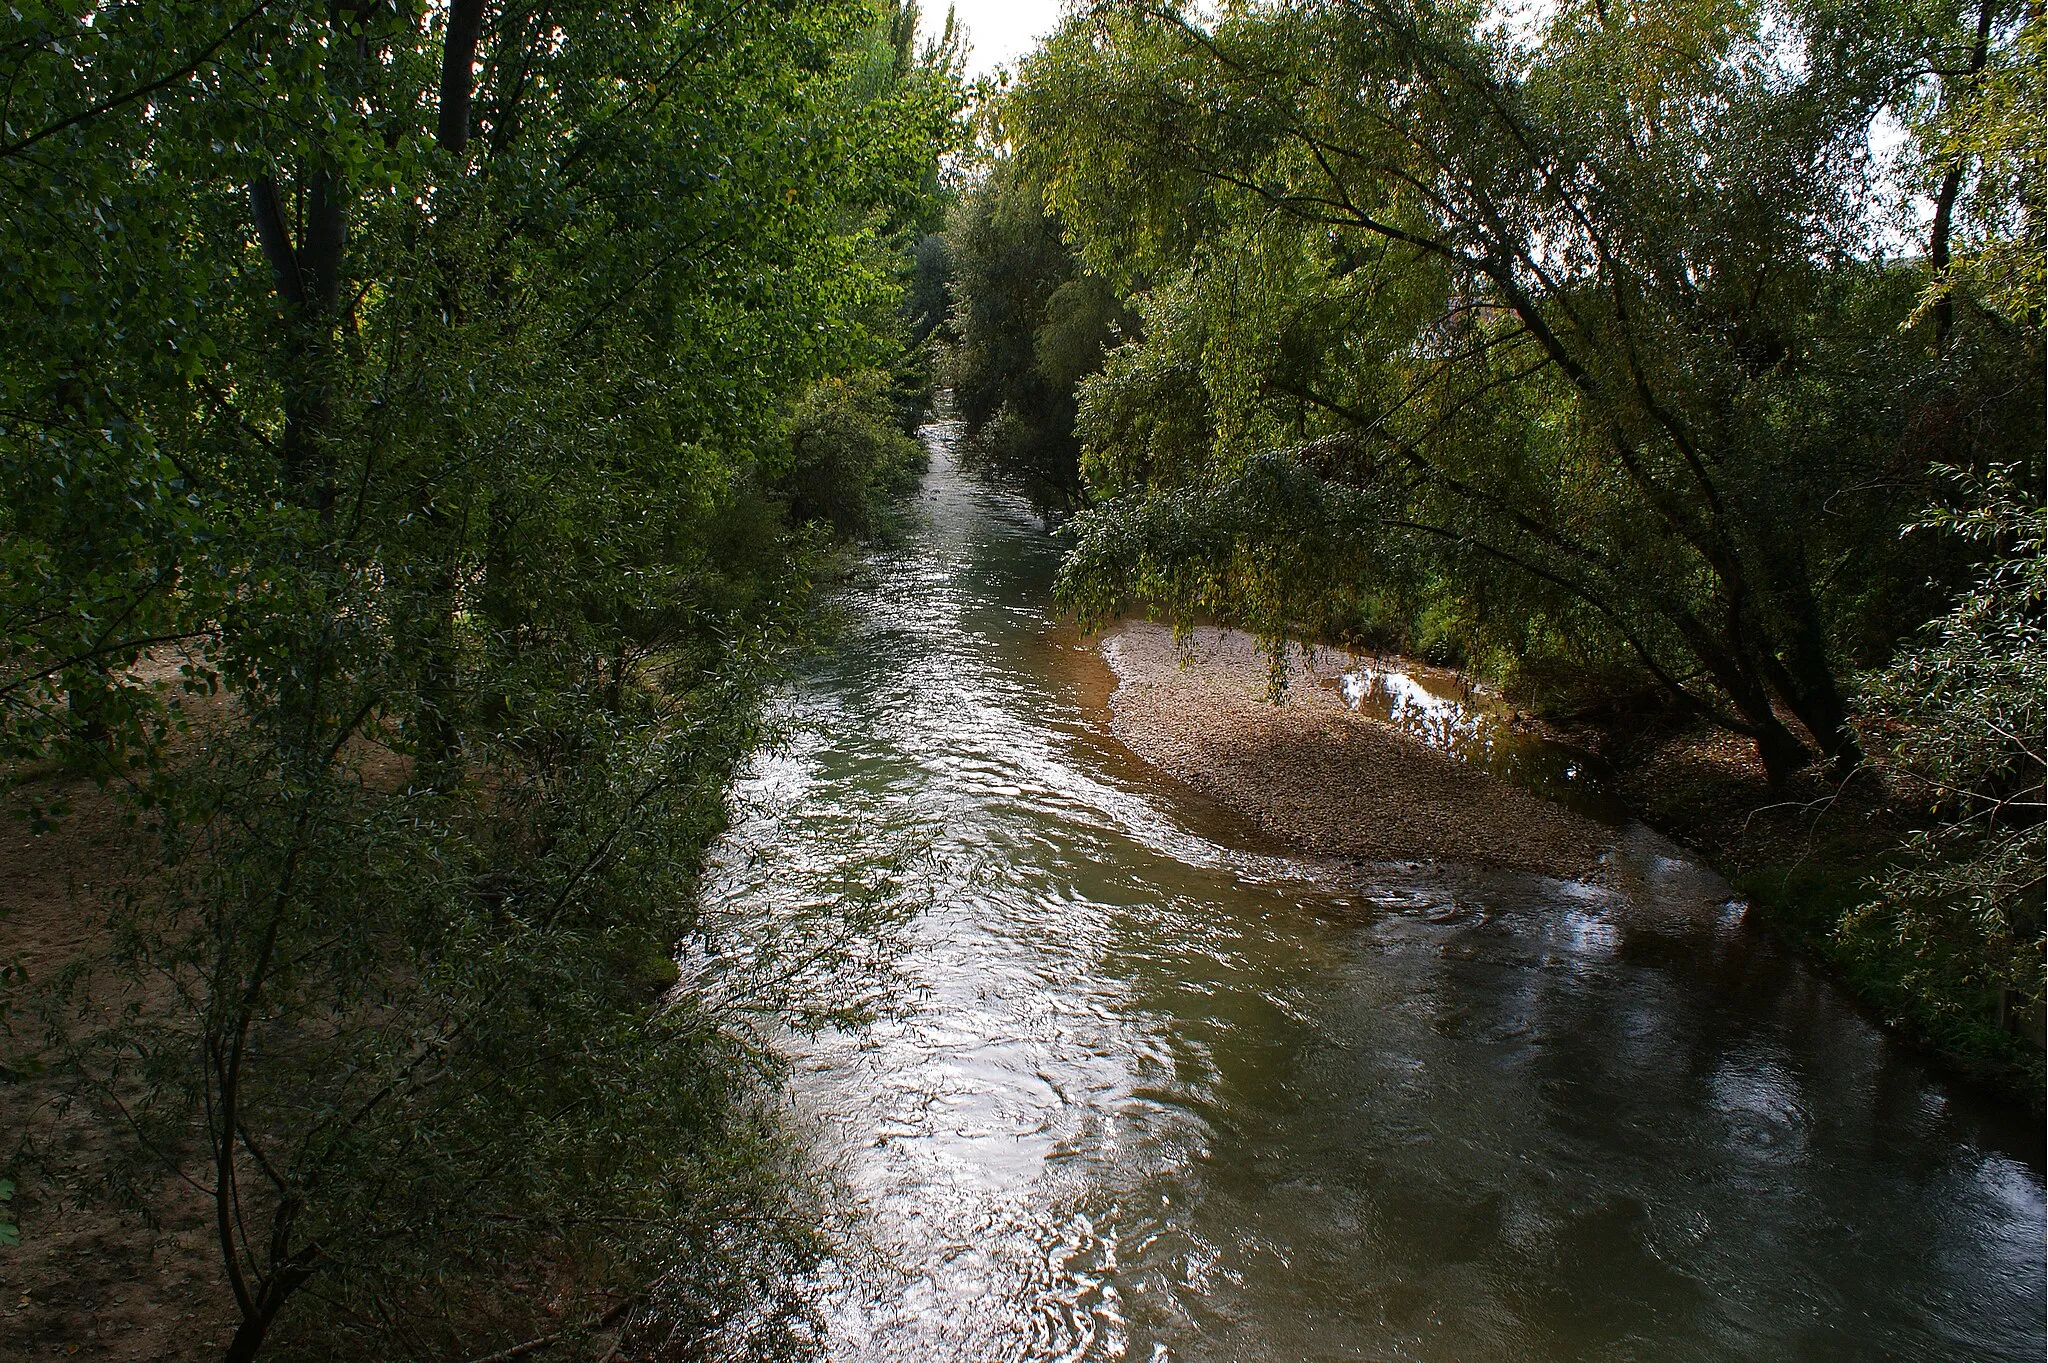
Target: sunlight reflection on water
x=1147 y=1089
x=1450 y=714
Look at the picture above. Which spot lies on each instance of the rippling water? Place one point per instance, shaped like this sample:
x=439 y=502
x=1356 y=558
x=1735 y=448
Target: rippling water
x=1160 y=1092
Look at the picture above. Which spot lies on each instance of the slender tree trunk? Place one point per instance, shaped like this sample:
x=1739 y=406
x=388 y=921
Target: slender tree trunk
x=85 y=705
x=308 y=411
x=248 y=1339
x=278 y=1288
x=615 y=685
x=498 y=605
x=438 y=744
x=437 y=729
x=438 y=737
x=1952 y=184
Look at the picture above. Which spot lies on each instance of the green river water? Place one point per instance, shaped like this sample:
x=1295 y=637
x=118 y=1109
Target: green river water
x=1150 y=1089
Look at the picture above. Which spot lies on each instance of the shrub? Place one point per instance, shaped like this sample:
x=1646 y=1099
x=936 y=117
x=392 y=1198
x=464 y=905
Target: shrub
x=848 y=457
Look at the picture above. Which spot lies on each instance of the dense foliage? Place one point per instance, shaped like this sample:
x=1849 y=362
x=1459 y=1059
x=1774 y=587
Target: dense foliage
x=1968 y=710
x=1587 y=353
x=1028 y=322
x=1610 y=350
x=418 y=424
x=849 y=460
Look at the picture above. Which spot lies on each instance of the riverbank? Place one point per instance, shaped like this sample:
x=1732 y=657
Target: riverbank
x=1804 y=854
x=1318 y=774
x=112 y=1247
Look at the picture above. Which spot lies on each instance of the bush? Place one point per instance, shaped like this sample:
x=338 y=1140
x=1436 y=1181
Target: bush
x=849 y=460
x=1961 y=912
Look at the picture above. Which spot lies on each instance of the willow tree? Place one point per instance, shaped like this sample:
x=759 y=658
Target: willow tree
x=1601 y=326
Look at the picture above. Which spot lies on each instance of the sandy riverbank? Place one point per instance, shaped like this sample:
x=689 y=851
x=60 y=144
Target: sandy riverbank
x=1317 y=774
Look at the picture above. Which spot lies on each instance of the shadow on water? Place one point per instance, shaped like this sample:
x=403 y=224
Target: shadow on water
x=1156 y=1090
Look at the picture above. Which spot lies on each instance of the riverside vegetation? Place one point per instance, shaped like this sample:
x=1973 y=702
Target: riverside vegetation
x=424 y=428
x=421 y=426
x=1670 y=367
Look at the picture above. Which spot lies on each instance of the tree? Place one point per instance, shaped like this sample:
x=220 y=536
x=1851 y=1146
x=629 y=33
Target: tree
x=1596 y=329
x=422 y=373
x=1028 y=323
x=849 y=461
x=1967 y=709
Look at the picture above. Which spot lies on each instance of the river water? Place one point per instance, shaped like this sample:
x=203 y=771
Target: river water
x=1153 y=1090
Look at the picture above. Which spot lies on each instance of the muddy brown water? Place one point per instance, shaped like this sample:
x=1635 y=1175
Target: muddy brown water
x=1152 y=1090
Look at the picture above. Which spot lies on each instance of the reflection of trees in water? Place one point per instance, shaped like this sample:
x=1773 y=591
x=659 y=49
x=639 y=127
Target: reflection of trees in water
x=1605 y=1098
x=1452 y=715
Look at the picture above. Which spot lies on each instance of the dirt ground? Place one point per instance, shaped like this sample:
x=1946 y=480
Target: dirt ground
x=1317 y=774
x=88 y=1280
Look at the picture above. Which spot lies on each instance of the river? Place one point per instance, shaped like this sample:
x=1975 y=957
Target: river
x=1150 y=1089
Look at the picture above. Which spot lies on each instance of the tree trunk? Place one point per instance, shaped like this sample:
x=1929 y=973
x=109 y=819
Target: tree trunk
x=290 y=1276
x=248 y=1338
x=1795 y=663
x=438 y=736
x=1735 y=671
x=1951 y=186
x=1729 y=654
x=437 y=742
x=437 y=752
x=1778 y=749
x=1806 y=683
x=458 y=60
x=308 y=276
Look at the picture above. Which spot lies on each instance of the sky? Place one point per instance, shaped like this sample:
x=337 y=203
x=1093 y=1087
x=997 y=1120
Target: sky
x=1001 y=30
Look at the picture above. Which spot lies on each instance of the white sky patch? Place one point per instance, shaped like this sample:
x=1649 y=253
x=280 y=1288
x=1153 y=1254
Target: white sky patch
x=1899 y=218
x=1523 y=21
x=999 y=31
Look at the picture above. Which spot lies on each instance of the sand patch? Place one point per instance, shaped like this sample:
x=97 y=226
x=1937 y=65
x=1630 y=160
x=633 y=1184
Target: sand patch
x=1319 y=775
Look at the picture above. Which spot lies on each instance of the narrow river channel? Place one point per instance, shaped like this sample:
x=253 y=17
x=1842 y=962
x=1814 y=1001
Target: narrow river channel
x=1158 y=1091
